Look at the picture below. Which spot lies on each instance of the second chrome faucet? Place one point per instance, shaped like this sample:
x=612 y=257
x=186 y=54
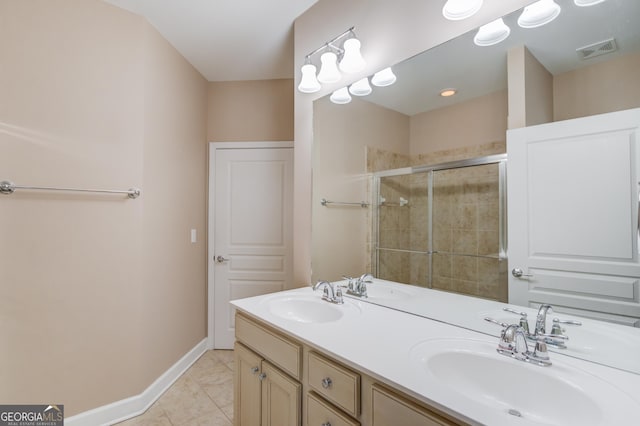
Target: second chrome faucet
x=330 y=294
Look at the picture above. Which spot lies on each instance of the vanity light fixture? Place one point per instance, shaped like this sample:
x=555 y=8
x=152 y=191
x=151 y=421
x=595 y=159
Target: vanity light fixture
x=445 y=93
x=329 y=70
x=341 y=96
x=360 y=87
x=456 y=10
x=383 y=78
x=539 y=13
x=492 y=33
x=352 y=61
x=309 y=83
x=347 y=57
x=584 y=3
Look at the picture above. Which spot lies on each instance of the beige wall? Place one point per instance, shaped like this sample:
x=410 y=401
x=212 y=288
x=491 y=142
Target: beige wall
x=484 y=118
x=390 y=32
x=530 y=89
x=341 y=138
x=100 y=294
x=608 y=86
x=250 y=111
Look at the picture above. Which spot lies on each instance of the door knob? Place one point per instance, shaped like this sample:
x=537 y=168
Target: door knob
x=221 y=259
x=518 y=273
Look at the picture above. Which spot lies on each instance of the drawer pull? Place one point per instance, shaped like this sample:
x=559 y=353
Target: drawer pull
x=326 y=382
x=262 y=376
x=254 y=370
x=326 y=424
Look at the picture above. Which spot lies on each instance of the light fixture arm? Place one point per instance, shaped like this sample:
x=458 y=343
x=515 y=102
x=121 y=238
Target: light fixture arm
x=331 y=44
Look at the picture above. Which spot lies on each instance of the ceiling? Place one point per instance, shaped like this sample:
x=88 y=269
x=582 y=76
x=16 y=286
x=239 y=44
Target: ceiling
x=477 y=71
x=227 y=40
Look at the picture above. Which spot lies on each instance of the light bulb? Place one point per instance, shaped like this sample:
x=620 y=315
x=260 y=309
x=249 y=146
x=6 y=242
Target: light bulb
x=383 y=78
x=340 y=96
x=584 y=3
x=352 y=60
x=360 y=87
x=456 y=10
x=538 y=14
x=309 y=82
x=329 y=70
x=492 y=33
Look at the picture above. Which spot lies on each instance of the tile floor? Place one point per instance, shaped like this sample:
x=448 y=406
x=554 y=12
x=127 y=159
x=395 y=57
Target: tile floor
x=203 y=395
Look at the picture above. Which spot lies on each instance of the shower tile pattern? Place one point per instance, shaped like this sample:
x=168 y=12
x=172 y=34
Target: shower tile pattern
x=465 y=227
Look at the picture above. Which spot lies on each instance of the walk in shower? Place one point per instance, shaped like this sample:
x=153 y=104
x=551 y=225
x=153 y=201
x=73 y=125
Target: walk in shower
x=443 y=226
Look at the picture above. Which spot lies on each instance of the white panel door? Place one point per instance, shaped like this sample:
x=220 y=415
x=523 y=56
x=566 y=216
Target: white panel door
x=573 y=215
x=251 y=244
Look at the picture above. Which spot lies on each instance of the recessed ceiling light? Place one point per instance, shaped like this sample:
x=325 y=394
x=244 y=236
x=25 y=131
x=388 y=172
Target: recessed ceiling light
x=448 y=92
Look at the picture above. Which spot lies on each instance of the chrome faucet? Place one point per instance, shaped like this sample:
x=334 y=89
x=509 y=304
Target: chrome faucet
x=513 y=343
x=556 y=330
x=541 y=319
x=330 y=294
x=540 y=328
x=358 y=287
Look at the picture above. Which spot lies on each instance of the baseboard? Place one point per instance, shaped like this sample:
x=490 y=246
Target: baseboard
x=136 y=405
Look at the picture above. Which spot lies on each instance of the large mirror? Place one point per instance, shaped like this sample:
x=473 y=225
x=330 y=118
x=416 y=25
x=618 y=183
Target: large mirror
x=372 y=157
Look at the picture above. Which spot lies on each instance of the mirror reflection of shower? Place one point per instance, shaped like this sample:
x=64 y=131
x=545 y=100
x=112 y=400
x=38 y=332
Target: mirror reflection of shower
x=443 y=226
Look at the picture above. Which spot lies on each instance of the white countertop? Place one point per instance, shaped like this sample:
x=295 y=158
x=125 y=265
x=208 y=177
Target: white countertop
x=378 y=341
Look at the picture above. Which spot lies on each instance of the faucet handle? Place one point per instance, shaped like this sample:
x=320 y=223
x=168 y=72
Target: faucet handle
x=557 y=329
x=502 y=324
x=524 y=323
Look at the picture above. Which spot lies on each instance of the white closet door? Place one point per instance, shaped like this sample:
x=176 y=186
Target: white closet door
x=573 y=215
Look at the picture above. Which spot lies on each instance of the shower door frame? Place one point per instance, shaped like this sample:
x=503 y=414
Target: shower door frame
x=500 y=159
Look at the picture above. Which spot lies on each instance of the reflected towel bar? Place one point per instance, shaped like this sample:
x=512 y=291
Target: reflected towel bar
x=326 y=202
x=7 y=187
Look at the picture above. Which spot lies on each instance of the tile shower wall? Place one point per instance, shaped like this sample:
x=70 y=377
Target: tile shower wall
x=465 y=224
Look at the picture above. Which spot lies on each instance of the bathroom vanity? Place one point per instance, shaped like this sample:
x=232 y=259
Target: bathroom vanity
x=301 y=360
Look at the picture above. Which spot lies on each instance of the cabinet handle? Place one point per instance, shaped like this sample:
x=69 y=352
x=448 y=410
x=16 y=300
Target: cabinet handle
x=326 y=382
x=326 y=424
x=262 y=376
x=254 y=370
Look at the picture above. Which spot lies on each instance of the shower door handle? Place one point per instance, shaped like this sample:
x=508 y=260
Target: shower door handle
x=519 y=273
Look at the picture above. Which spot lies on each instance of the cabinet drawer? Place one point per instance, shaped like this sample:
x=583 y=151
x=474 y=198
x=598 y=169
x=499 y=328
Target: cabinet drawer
x=390 y=409
x=279 y=350
x=336 y=383
x=321 y=413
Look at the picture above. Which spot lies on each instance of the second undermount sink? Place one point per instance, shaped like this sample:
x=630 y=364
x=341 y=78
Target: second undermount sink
x=308 y=309
x=518 y=391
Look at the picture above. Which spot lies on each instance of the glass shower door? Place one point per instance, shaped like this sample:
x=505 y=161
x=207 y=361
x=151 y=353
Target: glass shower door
x=443 y=227
x=467 y=232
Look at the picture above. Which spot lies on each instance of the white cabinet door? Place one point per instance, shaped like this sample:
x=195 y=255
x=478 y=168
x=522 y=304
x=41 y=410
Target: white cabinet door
x=573 y=215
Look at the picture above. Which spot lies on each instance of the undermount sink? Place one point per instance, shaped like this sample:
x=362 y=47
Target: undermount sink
x=308 y=309
x=555 y=395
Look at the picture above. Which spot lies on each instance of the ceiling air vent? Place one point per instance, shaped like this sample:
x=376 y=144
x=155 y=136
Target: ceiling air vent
x=597 y=49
